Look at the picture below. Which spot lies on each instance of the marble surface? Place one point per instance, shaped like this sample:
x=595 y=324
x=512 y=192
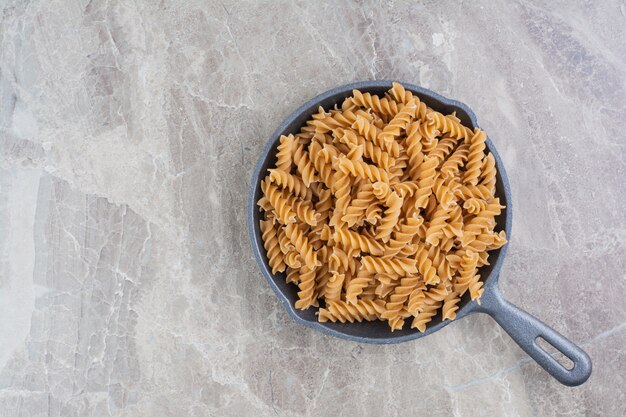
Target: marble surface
x=128 y=130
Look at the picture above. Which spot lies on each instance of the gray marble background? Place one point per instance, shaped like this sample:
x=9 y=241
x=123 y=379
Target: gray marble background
x=128 y=130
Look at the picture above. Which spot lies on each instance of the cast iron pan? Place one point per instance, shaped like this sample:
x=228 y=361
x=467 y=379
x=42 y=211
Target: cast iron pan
x=521 y=326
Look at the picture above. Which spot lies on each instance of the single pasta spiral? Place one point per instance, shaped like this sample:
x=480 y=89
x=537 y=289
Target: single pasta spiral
x=304 y=165
x=449 y=125
x=362 y=169
x=403 y=236
x=359 y=242
x=290 y=182
x=475 y=158
x=452 y=165
x=426 y=181
x=306 y=295
x=278 y=203
x=370 y=150
x=425 y=266
x=270 y=241
x=398 y=267
x=390 y=219
x=342 y=311
x=414 y=149
x=284 y=157
x=382 y=106
x=355 y=212
x=301 y=243
x=357 y=284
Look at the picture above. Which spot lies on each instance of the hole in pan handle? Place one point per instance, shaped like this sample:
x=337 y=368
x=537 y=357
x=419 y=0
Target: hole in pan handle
x=525 y=329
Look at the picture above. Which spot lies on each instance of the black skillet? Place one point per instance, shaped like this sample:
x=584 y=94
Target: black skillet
x=521 y=326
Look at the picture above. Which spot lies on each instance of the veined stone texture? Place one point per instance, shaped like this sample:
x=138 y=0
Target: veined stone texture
x=129 y=129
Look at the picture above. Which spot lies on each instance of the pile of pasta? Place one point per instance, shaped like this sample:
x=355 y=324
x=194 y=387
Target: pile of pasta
x=381 y=209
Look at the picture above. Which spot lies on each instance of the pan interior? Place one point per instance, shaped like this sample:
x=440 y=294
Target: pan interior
x=377 y=331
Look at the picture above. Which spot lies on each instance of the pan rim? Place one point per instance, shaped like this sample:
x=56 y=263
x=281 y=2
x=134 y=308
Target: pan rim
x=254 y=233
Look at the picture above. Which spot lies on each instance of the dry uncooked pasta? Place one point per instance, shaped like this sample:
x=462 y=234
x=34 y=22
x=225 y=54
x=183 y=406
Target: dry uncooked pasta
x=382 y=209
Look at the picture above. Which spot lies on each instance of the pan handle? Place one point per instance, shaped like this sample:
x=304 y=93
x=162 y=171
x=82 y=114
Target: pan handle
x=525 y=329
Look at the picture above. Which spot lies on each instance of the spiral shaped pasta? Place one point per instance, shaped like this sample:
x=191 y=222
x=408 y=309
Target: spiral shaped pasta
x=370 y=150
x=381 y=190
x=399 y=123
x=401 y=95
x=476 y=288
x=304 y=211
x=280 y=205
x=322 y=275
x=454 y=226
x=370 y=132
x=450 y=306
x=382 y=106
x=443 y=149
x=265 y=205
x=333 y=120
x=315 y=237
x=322 y=163
x=402 y=237
x=416 y=298
x=481 y=242
x=270 y=242
x=450 y=126
x=483 y=259
x=334 y=286
x=324 y=205
x=398 y=299
x=390 y=219
x=474 y=205
x=338 y=260
x=475 y=158
x=362 y=169
x=293 y=259
x=290 y=182
x=304 y=165
x=429 y=135
x=293 y=276
x=499 y=240
x=396 y=173
x=285 y=152
x=283 y=241
x=306 y=295
x=383 y=209
x=343 y=312
x=414 y=149
x=355 y=212
x=356 y=241
x=357 y=284
x=488 y=172
x=385 y=286
x=426 y=314
x=444 y=269
x=400 y=267
x=467 y=271
x=436 y=226
x=425 y=266
x=373 y=213
x=406 y=189
x=301 y=243
x=484 y=220
x=426 y=181
x=443 y=194
x=453 y=164
x=341 y=189
x=474 y=191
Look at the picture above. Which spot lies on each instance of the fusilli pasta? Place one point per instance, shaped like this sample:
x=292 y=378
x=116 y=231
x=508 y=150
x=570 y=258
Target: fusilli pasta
x=382 y=209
